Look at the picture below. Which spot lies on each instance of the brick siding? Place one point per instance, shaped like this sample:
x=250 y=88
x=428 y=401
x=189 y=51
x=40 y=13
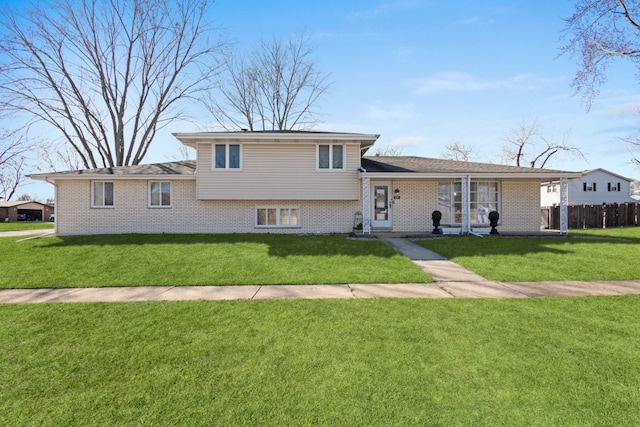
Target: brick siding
x=520 y=201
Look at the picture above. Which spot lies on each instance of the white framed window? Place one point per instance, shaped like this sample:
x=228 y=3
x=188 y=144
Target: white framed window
x=484 y=197
x=227 y=157
x=159 y=194
x=613 y=186
x=330 y=157
x=278 y=216
x=588 y=187
x=450 y=201
x=102 y=194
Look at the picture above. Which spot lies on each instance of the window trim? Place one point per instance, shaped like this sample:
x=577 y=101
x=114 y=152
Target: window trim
x=279 y=209
x=103 y=205
x=226 y=157
x=160 y=206
x=331 y=168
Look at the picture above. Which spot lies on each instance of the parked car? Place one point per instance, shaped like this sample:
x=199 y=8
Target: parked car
x=22 y=217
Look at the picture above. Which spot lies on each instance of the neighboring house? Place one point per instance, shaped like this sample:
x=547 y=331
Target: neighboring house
x=294 y=182
x=592 y=187
x=25 y=211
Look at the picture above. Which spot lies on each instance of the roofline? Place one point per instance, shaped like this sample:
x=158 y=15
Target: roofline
x=192 y=139
x=14 y=203
x=587 y=172
x=432 y=175
x=52 y=178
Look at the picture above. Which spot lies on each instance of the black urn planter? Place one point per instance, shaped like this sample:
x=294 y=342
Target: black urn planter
x=493 y=221
x=436 y=216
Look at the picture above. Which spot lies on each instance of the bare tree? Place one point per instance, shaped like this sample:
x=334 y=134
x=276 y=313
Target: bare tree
x=13 y=149
x=457 y=151
x=55 y=157
x=276 y=88
x=105 y=75
x=11 y=175
x=598 y=32
x=635 y=142
x=388 y=150
x=525 y=146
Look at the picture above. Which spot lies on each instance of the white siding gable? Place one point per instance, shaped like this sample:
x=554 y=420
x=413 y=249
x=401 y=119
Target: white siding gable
x=278 y=171
x=595 y=187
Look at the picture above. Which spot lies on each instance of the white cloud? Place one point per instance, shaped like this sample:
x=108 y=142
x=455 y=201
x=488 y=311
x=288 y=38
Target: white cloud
x=407 y=141
x=389 y=7
x=456 y=81
x=451 y=81
x=398 y=112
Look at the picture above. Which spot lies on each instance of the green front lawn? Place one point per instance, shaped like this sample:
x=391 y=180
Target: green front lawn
x=25 y=225
x=610 y=254
x=199 y=259
x=537 y=362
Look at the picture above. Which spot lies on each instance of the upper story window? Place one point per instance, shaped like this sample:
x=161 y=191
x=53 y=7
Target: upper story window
x=160 y=194
x=552 y=188
x=101 y=194
x=613 y=186
x=588 y=187
x=226 y=156
x=331 y=156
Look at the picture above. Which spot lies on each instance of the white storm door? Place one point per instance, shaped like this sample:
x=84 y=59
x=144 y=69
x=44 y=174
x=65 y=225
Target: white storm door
x=381 y=205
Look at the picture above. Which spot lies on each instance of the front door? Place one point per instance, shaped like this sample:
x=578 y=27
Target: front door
x=381 y=205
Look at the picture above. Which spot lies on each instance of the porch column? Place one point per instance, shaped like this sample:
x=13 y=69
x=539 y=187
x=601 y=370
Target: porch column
x=466 y=204
x=366 y=205
x=564 y=201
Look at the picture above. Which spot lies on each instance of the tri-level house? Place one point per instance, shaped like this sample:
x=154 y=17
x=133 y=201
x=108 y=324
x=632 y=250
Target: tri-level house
x=295 y=182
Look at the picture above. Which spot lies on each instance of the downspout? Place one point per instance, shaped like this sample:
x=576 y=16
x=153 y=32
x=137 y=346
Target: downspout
x=55 y=204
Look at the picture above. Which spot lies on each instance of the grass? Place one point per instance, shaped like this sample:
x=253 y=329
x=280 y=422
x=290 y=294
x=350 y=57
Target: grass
x=610 y=254
x=199 y=259
x=537 y=362
x=24 y=225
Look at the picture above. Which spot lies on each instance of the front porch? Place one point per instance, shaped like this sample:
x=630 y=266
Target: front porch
x=404 y=203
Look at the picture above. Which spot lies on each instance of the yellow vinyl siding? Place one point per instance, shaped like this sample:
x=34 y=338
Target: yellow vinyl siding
x=278 y=172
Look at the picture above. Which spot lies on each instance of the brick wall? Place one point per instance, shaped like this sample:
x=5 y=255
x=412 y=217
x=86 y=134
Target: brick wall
x=520 y=206
x=412 y=211
x=131 y=214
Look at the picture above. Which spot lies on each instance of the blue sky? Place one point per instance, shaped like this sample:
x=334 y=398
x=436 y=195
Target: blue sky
x=424 y=74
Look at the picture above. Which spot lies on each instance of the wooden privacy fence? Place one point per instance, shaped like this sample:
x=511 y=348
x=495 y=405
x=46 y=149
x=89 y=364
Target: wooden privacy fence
x=593 y=216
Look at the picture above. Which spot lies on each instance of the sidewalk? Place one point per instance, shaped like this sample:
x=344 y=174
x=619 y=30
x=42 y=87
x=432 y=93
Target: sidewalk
x=484 y=289
x=449 y=281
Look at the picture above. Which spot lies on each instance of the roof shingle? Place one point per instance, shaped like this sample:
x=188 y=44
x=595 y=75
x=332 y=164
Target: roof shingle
x=412 y=164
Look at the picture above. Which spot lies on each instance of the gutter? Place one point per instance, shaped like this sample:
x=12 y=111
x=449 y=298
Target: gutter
x=438 y=175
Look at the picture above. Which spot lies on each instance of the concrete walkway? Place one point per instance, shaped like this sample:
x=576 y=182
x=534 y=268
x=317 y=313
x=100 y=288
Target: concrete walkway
x=27 y=233
x=449 y=281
